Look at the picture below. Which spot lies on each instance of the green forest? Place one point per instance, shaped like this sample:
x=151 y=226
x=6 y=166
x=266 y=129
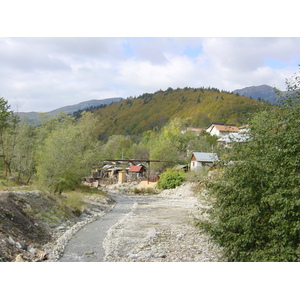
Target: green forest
x=199 y=106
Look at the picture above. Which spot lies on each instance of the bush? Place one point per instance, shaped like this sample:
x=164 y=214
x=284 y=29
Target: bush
x=170 y=179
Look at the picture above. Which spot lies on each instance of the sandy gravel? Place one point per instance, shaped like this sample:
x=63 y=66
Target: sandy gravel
x=160 y=228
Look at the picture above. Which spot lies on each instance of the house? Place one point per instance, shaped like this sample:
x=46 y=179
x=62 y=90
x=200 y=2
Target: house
x=220 y=129
x=203 y=159
x=136 y=172
x=238 y=137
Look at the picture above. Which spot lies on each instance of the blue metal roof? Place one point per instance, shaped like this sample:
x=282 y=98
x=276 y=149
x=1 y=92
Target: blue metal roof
x=204 y=156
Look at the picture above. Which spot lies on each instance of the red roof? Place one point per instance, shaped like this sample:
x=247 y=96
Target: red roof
x=135 y=169
x=227 y=128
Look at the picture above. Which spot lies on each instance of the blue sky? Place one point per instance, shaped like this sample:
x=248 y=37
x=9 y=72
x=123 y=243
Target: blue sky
x=41 y=74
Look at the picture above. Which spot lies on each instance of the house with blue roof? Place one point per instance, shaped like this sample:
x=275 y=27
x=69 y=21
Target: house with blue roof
x=203 y=159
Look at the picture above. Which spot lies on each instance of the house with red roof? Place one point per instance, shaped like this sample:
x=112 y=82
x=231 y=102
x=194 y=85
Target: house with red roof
x=136 y=172
x=220 y=129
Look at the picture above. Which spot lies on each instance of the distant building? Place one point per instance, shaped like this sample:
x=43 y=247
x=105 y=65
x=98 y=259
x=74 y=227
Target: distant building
x=220 y=129
x=136 y=172
x=203 y=159
x=238 y=137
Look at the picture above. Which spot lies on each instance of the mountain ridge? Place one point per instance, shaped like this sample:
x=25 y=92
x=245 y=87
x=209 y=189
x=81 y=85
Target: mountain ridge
x=261 y=92
x=69 y=109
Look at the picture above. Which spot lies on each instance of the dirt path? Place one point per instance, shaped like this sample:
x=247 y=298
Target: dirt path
x=150 y=228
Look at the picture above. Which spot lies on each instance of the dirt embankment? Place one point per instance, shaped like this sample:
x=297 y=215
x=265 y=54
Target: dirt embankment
x=32 y=222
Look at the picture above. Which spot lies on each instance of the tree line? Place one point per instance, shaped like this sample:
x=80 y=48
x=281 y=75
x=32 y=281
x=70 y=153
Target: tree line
x=59 y=151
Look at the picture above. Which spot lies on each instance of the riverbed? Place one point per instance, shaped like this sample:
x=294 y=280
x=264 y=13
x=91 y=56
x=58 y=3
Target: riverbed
x=145 y=228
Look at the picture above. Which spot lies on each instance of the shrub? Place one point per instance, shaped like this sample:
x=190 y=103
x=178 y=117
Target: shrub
x=170 y=179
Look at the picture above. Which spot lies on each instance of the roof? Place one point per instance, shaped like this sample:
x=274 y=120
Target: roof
x=203 y=156
x=135 y=169
x=227 y=128
x=234 y=137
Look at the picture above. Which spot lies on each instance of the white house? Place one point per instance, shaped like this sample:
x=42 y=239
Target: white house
x=203 y=159
x=221 y=130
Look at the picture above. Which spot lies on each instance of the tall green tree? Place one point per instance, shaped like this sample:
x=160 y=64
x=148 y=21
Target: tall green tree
x=24 y=162
x=255 y=214
x=67 y=154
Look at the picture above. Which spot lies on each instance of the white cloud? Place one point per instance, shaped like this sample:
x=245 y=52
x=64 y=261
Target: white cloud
x=46 y=73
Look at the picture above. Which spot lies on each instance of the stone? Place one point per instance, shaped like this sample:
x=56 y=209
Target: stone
x=41 y=255
x=11 y=241
x=179 y=237
x=32 y=251
x=133 y=256
x=19 y=258
x=23 y=245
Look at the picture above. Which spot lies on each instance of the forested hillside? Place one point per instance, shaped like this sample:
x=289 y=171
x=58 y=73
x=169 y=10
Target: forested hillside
x=133 y=116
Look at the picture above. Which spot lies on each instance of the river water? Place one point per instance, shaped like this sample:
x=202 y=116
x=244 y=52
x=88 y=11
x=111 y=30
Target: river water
x=86 y=244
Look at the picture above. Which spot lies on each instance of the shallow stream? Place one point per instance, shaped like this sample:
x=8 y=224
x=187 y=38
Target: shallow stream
x=87 y=244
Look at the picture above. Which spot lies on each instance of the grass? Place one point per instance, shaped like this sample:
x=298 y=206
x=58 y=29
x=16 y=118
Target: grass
x=74 y=200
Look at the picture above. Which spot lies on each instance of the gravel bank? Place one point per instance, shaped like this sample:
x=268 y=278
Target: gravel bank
x=160 y=228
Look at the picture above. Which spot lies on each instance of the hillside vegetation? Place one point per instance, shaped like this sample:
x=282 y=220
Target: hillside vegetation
x=133 y=116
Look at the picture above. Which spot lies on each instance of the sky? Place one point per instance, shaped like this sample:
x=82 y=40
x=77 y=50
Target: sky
x=58 y=55
x=45 y=73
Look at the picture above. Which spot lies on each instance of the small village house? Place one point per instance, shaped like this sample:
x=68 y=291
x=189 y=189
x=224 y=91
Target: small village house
x=220 y=129
x=137 y=172
x=203 y=159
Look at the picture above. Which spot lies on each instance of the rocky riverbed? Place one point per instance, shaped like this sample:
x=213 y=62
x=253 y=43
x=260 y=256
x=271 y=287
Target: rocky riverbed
x=157 y=228
x=160 y=228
